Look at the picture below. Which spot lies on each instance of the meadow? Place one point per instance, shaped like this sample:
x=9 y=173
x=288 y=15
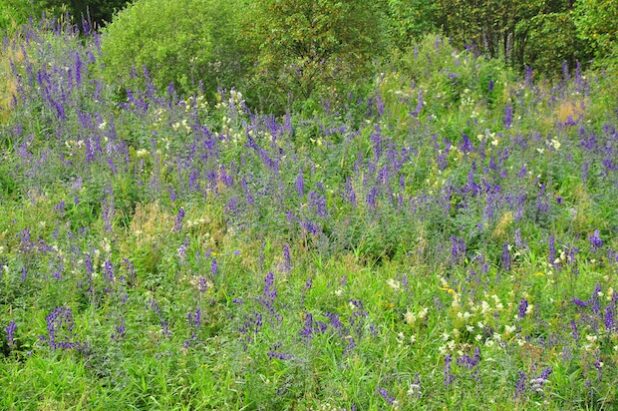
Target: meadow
x=446 y=240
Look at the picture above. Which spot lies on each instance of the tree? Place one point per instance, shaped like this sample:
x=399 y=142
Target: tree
x=597 y=23
x=99 y=12
x=410 y=20
x=548 y=40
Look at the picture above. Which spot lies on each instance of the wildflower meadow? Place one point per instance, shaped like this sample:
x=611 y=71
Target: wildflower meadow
x=443 y=236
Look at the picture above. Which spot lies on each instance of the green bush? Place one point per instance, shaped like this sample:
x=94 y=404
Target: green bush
x=596 y=22
x=410 y=20
x=308 y=46
x=15 y=12
x=183 y=42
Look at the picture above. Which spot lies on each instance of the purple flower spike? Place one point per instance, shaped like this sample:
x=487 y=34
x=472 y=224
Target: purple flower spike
x=520 y=385
x=595 y=240
x=608 y=320
x=448 y=375
x=552 y=250
x=179 y=217
x=506 y=257
x=508 y=116
x=300 y=184
x=59 y=319
x=287 y=259
x=10 y=333
x=387 y=397
x=523 y=307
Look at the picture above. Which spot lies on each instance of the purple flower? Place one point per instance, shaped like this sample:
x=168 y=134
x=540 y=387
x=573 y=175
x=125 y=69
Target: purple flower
x=506 y=257
x=490 y=86
x=458 y=248
x=59 y=319
x=380 y=105
x=508 y=116
x=466 y=144
x=269 y=294
x=594 y=302
x=120 y=330
x=520 y=385
x=274 y=353
x=202 y=285
x=318 y=202
x=287 y=259
x=372 y=197
x=387 y=397
x=312 y=327
x=351 y=345
x=300 y=184
x=595 y=240
x=10 y=332
x=537 y=384
x=195 y=318
x=608 y=319
x=470 y=362
x=552 y=250
x=335 y=322
x=419 y=104
x=109 y=271
x=448 y=375
x=179 y=217
x=523 y=307
x=519 y=243
x=251 y=327
x=214 y=267
x=350 y=194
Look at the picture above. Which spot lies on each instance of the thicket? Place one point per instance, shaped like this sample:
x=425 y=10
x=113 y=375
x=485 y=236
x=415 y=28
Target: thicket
x=185 y=43
x=279 y=51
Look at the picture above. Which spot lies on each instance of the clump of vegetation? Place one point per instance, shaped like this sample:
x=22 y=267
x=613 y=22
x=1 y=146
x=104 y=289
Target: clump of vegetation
x=187 y=44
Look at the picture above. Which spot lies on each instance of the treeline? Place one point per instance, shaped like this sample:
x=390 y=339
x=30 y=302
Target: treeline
x=278 y=50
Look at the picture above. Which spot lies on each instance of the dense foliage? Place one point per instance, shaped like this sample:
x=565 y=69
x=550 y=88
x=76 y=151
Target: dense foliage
x=95 y=11
x=283 y=51
x=15 y=12
x=186 y=43
x=306 y=44
x=596 y=23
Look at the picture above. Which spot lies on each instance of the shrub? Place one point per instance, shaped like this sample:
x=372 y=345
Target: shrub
x=596 y=22
x=410 y=20
x=15 y=12
x=306 y=46
x=183 y=42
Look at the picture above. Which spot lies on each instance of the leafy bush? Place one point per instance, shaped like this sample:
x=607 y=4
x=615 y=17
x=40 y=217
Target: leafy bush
x=14 y=12
x=596 y=22
x=308 y=45
x=183 y=42
x=410 y=20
